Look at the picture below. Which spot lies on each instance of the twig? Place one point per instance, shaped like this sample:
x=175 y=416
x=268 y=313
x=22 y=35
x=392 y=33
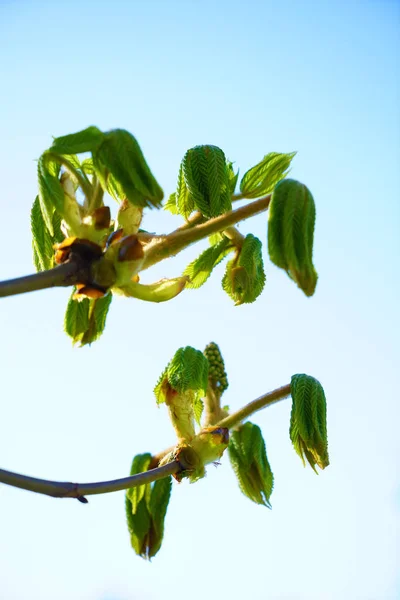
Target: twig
x=61 y=276
x=271 y=398
x=178 y=240
x=62 y=489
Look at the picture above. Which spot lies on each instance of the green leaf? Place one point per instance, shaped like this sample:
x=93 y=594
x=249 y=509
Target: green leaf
x=308 y=430
x=244 y=277
x=162 y=386
x=206 y=178
x=291 y=223
x=51 y=193
x=200 y=269
x=262 y=178
x=188 y=370
x=42 y=240
x=87 y=166
x=249 y=460
x=139 y=523
x=233 y=177
x=184 y=201
x=85 y=319
x=171 y=204
x=182 y=383
x=121 y=167
x=140 y=464
x=198 y=407
x=86 y=140
x=158 y=504
x=146 y=507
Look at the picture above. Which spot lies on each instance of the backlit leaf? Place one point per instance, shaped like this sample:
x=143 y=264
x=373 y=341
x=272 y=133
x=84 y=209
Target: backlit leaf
x=146 y=507
x=85 y=319
x=291 y=223
x=42 y=240
x=262 y=178
x=308 y=430
x=120 y=165
x=200 y=269
x=249 y=460
x=244 y=277
x=207 y=180
x=76 y=143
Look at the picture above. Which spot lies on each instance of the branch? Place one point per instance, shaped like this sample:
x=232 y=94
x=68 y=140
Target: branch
x=63 y=489
x=170 y=245
x=61 y=276
x=271 y=398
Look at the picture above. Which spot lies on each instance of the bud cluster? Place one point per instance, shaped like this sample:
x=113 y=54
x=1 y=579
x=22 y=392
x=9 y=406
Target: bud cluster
x=216 y=369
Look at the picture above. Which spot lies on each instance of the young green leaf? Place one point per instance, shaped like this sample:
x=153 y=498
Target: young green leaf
x=171 y=204
x=146 y=507
x=119 y=162
x=158 y=504
x=42 y=240
x=206 y=177
x=291 y=223
x=86 y=140
x=85 y=319
x=183 y=382
x=51 y=193
x=244 y=277
x=87 y=166
x=262 y=178
x=198 y=408
x=249 y=460
x=233 y=177
x=308 y=430
x=140 y=464
x=188 y=370
x=200 y=269
x=183 y=199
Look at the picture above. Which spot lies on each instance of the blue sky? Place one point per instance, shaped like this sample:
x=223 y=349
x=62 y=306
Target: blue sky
x=321 y=78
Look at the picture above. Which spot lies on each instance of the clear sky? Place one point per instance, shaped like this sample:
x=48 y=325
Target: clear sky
x=251 y=77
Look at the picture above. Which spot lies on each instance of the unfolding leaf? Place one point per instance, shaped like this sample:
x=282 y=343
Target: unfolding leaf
x=171 y=204
x=206 y=178
x=42 y=240
x=201 y=268
x=146 y=507
x=244 y=277
x=51 y=193
x=249 y=460
x=188 y=370
x=233 y=177
x=291 y=223
x=184 y=201
x=85 y=319
x=87 y=166
x=308 y=430
x=121 y=167
x=198 y=407
x=75 y=143
x=140 y=464
x=262 y=178
x=183 y=382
